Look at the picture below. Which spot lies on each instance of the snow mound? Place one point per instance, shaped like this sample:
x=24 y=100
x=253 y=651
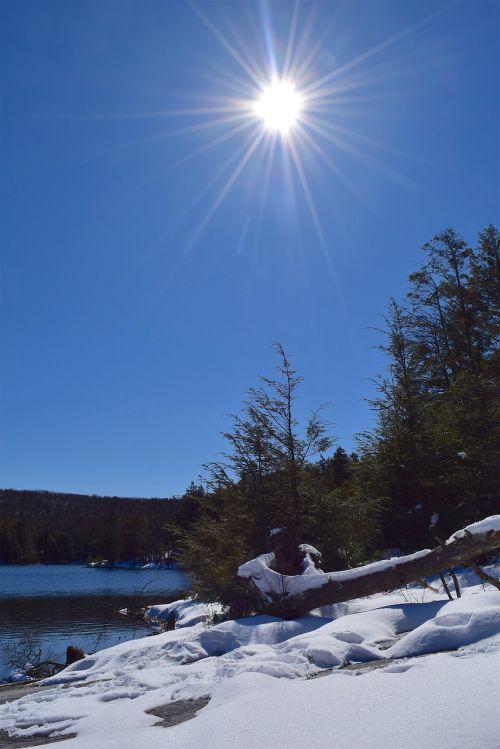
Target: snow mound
x=460 y=622
x=187 y=612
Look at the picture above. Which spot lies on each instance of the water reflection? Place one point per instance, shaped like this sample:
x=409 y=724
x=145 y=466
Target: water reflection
x=73 y=605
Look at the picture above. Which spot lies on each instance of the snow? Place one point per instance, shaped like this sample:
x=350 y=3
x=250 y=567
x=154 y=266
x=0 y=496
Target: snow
x=483 y=526
x=460 y=622
x=255 y=672
x=132 y=564
x=434 y=520
x=406 y=708
x=311 y=556
x=308 y=549
x=187 y=612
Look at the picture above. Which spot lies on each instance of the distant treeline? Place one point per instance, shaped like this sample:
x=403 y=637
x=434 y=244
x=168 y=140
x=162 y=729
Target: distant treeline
x=43 y=526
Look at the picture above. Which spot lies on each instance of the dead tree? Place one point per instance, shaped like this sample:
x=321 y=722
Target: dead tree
x=379 y=577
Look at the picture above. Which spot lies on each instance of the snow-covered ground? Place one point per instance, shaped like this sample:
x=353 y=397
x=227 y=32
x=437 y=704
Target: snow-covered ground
x=255 y=672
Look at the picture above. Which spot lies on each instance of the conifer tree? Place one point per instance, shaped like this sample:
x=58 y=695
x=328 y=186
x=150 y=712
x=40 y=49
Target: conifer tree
x=437 y=441
x=259 y=484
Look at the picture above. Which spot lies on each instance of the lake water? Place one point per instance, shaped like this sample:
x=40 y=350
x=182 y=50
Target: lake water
x=70 y=604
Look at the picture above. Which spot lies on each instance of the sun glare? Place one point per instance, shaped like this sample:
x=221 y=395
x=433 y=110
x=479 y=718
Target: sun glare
x=259 y=103
x=279 y=106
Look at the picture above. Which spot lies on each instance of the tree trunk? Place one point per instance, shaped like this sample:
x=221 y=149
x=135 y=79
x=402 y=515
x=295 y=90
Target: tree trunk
x=403 y=571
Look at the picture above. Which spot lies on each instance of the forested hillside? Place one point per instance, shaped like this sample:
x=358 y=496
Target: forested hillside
x=42 y=526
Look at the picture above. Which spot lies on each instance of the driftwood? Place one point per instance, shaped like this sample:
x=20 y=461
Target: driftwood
x=44 y=669
x=460 y=551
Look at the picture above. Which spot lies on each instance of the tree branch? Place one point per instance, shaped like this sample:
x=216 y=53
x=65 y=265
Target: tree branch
x=484 y=575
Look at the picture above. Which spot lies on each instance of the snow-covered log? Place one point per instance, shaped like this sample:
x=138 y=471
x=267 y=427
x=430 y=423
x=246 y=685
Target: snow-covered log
x=290 y=596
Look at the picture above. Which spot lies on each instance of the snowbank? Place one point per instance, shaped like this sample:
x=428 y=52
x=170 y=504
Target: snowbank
x=461 y=622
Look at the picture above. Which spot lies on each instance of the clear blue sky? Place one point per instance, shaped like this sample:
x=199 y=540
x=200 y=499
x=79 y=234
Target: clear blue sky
x=135 y=310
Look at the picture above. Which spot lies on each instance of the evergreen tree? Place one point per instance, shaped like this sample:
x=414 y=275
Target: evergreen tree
x=259 y=484
x=437 y=440
x=340 y=467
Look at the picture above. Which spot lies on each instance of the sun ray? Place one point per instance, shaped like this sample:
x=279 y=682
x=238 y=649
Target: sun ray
x=311 y=54
x=363 y=100
x=307 y=48
x=377 y=48
x=236 y=130
x=267 y=38
x=224 y=191
x=317 y=224
x=333 y=166
x=291 y=183
x=192 y=155
x=245 y=152
x=287 y=69
x=369 y=140
x=199 y=127
x=361 y=80
x=250 y=54
x=243 y=236
x=207 y=187
x=227 y=45
x=311 y=207
x=229 y=80
x=228 y=106
x=361 y=155
x=268 y=165
x=196 y=129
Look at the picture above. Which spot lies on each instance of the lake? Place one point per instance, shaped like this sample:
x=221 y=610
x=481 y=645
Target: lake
x=70 y=604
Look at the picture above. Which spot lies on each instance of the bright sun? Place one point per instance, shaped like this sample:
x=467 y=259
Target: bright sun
x=279 y=106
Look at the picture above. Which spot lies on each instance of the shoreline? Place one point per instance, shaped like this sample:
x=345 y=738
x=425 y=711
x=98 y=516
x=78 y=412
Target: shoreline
x=15 y=690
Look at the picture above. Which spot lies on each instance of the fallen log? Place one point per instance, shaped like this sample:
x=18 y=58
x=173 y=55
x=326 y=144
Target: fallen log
x=293 y=596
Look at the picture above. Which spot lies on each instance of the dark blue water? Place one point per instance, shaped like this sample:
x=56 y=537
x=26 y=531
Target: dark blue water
x=59 y=605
